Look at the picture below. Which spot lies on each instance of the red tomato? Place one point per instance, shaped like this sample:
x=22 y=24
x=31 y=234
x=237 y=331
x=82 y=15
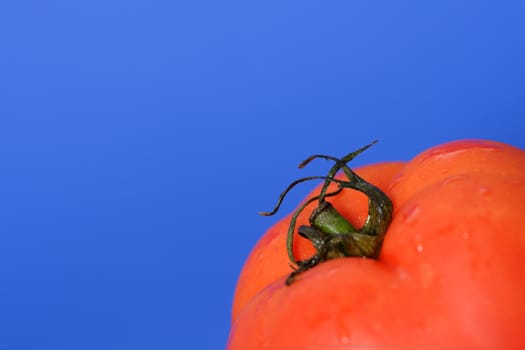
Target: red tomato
x=449 y=274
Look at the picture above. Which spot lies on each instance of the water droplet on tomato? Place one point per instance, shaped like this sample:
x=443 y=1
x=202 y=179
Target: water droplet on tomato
x=395 y=181
x=455 y=178
x=343 y=328
x=410 y=215
x=344 y=340
x=402 y=274
x=418 y=242
x=489 y=147
x=453 y=149
x=483 y=191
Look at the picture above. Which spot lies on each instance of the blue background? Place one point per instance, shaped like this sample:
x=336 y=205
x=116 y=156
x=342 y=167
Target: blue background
x=138 y=140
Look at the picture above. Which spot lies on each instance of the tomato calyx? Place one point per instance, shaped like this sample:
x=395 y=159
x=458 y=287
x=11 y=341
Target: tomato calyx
x=329 y=232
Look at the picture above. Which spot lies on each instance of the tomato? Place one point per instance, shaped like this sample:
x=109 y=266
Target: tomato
x=449 y=274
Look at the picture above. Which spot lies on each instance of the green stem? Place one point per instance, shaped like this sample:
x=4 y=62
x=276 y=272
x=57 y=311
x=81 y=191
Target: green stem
x=330 y=233
x=293 y=223
x=328 y=220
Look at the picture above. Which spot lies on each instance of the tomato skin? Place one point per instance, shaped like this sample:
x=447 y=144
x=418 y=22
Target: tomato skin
x=458 y=158
x=449 y=274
